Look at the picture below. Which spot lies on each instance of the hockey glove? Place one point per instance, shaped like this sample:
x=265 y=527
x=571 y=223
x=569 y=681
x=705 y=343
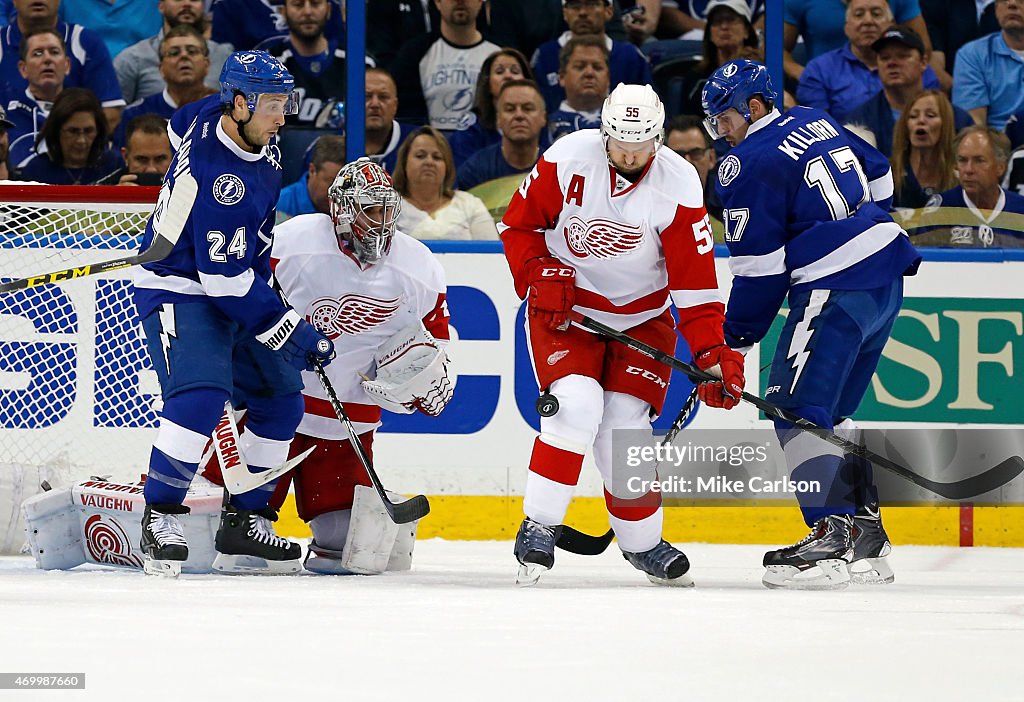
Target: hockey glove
x=412 y=374
x=727 y=364
x=552 y=291
x=297 y=341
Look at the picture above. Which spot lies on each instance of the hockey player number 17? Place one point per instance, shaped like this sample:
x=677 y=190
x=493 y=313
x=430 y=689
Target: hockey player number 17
x=817 y=174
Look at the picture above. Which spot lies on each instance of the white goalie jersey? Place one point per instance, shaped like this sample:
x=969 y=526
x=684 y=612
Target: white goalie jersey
x=361 y=309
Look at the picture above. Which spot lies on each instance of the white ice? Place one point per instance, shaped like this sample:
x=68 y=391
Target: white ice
x=455 y=628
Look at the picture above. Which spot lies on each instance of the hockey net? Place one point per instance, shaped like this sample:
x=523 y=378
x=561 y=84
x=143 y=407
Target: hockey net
x=78 y=396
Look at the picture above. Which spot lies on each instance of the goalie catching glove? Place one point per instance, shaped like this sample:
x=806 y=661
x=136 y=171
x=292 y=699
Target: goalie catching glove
x=297 y=341
x=412 y=374
x=727 y=364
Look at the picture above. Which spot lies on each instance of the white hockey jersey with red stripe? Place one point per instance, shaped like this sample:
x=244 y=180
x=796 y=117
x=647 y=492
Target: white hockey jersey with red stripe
x=358 y=308
x=635 y=246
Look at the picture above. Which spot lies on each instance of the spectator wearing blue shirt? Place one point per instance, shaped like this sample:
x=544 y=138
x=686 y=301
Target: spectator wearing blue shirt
x=985 y=214
x=121 y=23
x=628 y=64
x=521 y=120
x=989 y=71
x=309 y=193
x=245 y=23
x=5 y=124
x=839 y=80
x=91 y=66
x=184 y=63
x=922 y=150
x=44 y=64
x=583 y=73
x=820 y=23
x=384 y=135
x=478 y=128
x=901 y=66
x=72 y=147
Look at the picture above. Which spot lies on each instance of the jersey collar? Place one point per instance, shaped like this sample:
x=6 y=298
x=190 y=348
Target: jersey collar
x=235 y=148
x=764 y=121
x=993 y=213
x=620 y=185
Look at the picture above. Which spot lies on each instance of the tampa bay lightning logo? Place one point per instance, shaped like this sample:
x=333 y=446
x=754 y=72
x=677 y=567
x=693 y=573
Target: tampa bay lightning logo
x=730 y=70
x=274 y=155
x=246 y=57
x=228 y=189
x=460 y=100
x=728 y=170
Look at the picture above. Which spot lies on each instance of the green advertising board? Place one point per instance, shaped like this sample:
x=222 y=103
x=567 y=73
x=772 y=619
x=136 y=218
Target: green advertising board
x=950 y=359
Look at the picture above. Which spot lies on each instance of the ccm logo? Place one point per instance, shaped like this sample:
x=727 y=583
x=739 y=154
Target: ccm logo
x=647 y=375
x=557 y=272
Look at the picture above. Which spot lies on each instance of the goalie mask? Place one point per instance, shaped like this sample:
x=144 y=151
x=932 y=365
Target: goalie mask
x=365 y=208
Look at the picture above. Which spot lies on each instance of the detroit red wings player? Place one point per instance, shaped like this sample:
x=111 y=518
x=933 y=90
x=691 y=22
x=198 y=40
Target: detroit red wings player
x=380 y=296
x=613 y=226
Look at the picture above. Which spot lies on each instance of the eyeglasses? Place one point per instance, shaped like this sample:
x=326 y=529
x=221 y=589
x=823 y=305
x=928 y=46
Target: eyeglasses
x=79 y=132
x=191 y=50
x=691 y=154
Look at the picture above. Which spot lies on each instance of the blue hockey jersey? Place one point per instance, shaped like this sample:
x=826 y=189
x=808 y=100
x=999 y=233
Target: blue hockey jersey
x=218 y=199
x=805 y=207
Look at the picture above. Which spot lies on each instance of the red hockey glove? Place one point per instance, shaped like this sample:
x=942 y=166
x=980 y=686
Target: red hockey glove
x=552 y=291
x=721 y=362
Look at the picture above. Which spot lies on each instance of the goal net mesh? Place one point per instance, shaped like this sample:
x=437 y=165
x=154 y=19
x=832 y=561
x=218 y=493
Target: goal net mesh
x=78 y=396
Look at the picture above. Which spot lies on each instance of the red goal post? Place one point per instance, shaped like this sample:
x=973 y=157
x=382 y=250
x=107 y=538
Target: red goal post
x=78 y=396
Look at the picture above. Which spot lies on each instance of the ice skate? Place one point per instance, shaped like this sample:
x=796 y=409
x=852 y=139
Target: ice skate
x=246 y=544
x=870 y=548
x=818 y=562
x=163 y=542
x=664 y=565
x=535 y=550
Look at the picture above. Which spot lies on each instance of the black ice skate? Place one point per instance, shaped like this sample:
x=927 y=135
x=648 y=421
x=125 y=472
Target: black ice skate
x=246 y=544
x=535 y=550
x=870 y=548
x=163 y=542
x=829 y=547
x=664 y=565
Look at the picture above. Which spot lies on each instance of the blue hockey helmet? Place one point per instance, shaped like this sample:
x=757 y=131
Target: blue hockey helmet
x=255 y=73
x=732 y=85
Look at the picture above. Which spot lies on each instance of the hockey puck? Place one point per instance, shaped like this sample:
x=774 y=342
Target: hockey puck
x=547 y=405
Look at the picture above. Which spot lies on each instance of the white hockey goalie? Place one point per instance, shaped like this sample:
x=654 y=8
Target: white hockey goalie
x=412 y=373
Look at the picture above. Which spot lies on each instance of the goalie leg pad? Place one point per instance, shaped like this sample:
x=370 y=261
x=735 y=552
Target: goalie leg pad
x=52 y=527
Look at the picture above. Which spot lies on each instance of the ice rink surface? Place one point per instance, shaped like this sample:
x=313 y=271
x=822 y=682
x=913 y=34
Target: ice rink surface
x=455 y=628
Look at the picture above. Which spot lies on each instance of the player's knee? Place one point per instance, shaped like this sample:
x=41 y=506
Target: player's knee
x=580 y=409
x=819 y=415
x=275 y=417
x=622 y=411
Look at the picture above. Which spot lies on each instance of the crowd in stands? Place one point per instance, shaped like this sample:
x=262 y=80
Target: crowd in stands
x=462 y=96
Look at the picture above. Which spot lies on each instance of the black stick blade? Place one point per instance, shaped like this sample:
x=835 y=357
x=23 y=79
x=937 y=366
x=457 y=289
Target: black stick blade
x=409 y=511
x=993 y=478
x=577 y=542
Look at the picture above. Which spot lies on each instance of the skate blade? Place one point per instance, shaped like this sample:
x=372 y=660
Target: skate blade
x=683 y=580
x=529 y=574
x=163 y=569
x=231 y=564
x=829 y=574
x=877 y=572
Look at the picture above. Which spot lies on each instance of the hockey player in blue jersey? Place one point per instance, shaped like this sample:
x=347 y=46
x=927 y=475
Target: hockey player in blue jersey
x=806 y=216
x=215 y=329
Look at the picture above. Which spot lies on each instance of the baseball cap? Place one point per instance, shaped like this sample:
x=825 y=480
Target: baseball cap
x=740 y=7
x=900 y=34
x=4 y=122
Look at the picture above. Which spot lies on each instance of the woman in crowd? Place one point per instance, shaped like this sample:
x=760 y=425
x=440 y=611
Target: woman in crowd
x=479 y=127
x=71 y=148
x=728 y=35
x=922 y=150
x=431 y=207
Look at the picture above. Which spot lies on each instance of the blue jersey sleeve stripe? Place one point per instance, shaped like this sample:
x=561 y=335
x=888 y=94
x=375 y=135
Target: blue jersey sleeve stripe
x=691 y=298
x=227 y=286
x=854 y=251
x=144 y=278
x=771 y=263
x=882 y=187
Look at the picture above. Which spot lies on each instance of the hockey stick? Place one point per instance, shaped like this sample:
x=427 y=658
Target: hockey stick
x=983 y=482
x=157 y=251
x=234 y=470
x=400 y=512
x=578 y=542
